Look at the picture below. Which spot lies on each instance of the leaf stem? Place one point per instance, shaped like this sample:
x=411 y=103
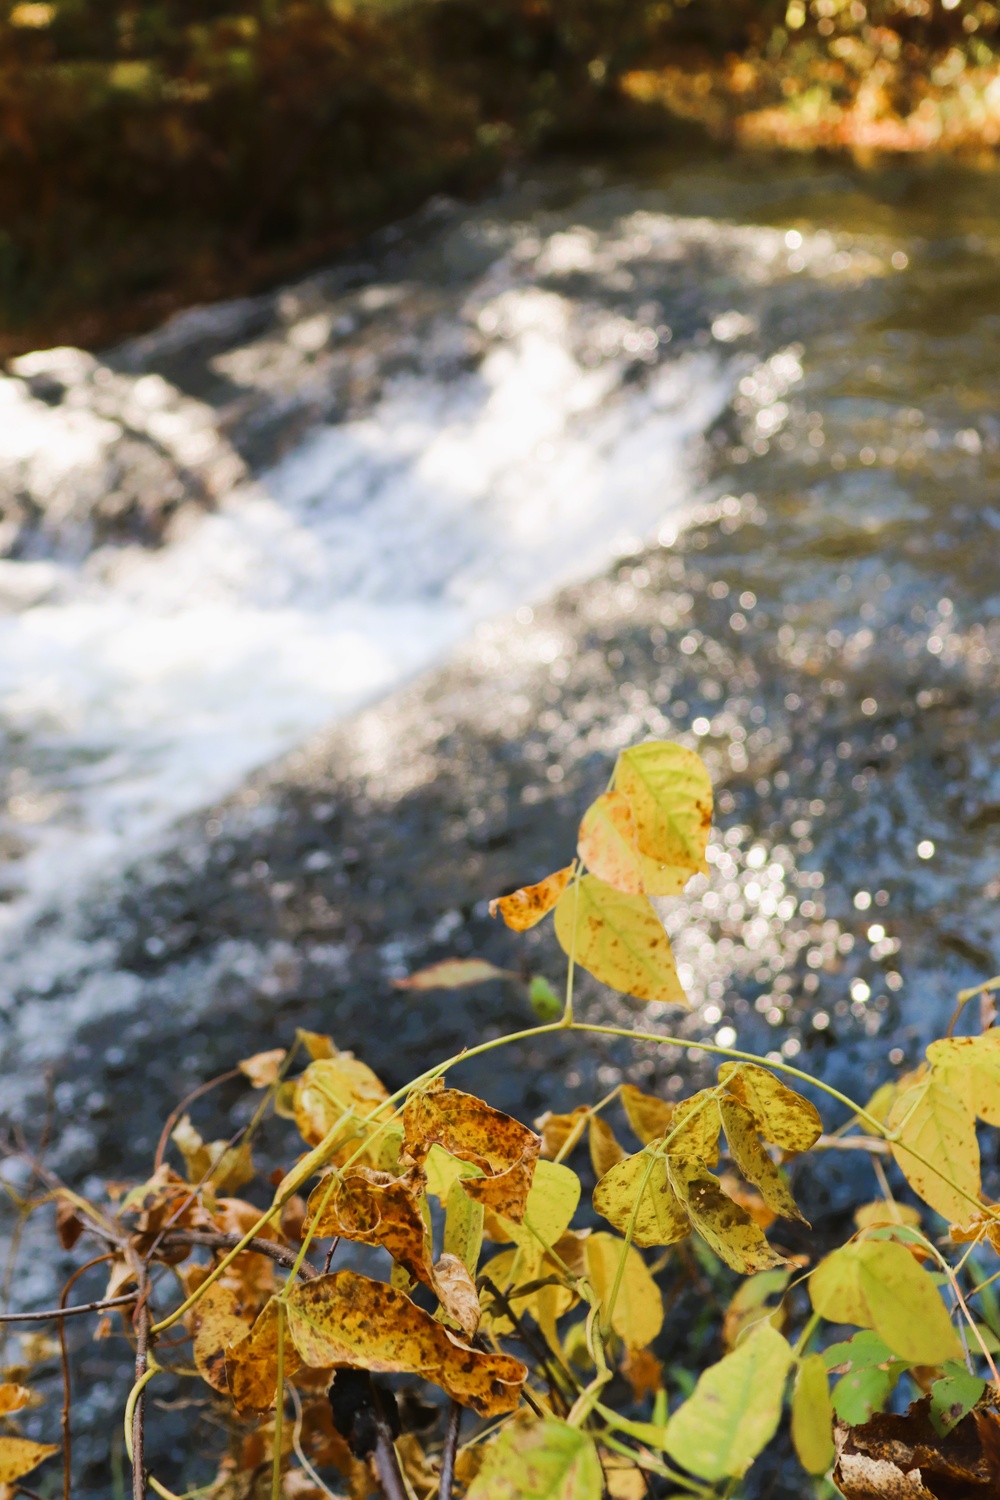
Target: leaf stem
x=279 y=1407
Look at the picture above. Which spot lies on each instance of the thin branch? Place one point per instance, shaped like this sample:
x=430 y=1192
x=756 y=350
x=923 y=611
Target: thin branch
x=217 y=1240
x=67 y=1435
x=449 y=1450
x=175 y=1114
x=140 y=1322
x=70 y=1312
x=386 y=1461
x=873 y=1143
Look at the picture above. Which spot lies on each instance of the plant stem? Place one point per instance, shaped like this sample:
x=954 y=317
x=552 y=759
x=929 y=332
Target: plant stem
x=141 y=1323
x=449 y=1450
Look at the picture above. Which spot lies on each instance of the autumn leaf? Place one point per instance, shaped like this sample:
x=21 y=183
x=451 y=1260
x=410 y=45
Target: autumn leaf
x=252 y=1362
x=619 y=939
x=660 y=1217
x=637 y=1316
x=539 y=1459
x=263 y=1068
x=781 y=1115
x=347 y=1319
x=724 y=1226
x=13 y=1397
x=332 y=1087
x=812 y=1416
x=453 y=974
x=502 y=1148
x=735 y=1409
x=463 y=1230
x=456 y=1292
x=970 y=1067
x=527 y=906
x=749 y=1305
x=753 y=1161
x=670 y=794
x=560 y=1133
x=605 y=1151
x=929 y=1119
x=694 y=1127
x=607 y=843
x=216 y=1321
x=375 y=1208
x=226 y=1168
x=18 y=1457
x=648 y=1116
x=877 y=1284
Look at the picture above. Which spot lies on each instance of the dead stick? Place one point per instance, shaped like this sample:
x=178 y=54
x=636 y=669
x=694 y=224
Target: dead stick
x=70 y=1312
x=217 y=1240
x=386 y=1461
x=449 y=1450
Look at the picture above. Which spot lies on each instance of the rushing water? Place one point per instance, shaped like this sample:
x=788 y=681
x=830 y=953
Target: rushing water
x=780 y=377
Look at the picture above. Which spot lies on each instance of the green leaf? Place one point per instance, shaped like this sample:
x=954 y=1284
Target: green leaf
x=812 y=1416
x=941 y=1126
x=671 y=798
x=877 y=1284
x=539 y=1460
x=735 y=1409
x=638 y=1311
x=660 y=1219
x=619 y=939
x=552 y=1202
x=546 y=1004
x=953 y=1397
x=869 y=1372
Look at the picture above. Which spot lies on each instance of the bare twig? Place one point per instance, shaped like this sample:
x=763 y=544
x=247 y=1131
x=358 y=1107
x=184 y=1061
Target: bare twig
x=386 y=1461
x=175 y=1114
x=449 y=1450
x=217 y=1240
x=67 y=1435
x=873 y=1143
x=70 y=1312
x=329 y=1255
x=140 y=1322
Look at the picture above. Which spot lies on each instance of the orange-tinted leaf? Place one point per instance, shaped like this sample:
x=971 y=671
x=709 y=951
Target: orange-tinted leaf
x=524 y=907
x=347 y=1319
x=648 y=1116
x=375 y=1208
x=263 y=1068
x=453 y=974
x=69 y=1225
x=643 y=1371
x=607 y=843
x=605 y=1152
x=18 y=1457
x=503 y=1149
x=13 y=1397
x=332 y=1087
x=252 y=1362
x=216 y=1322
x=560 y=1133
x=619 y=939
x=316 y=1043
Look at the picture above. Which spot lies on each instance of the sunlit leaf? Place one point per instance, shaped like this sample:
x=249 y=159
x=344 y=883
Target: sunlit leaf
x=607 y=843
x=637 y=1316
x=619 y=939
x=648 y=1116
x=19 y=1457
x=216 y=1322
x=660 y=1218
x=782 y=1116
x=670 y=794
x=970 y=1067
x=524 y=907
x=548 y=1210
x=539 y=1459
x=735 y=1409
x=604 y=1148
x=877 y=1284
x=332 y=1087
x=724 y=1226
x=263 y=1068
x=252 y=1362
x=453 y=974
x=347 y=1319
x=500 y=1146
x=753 y=1161
x=933 y=1121
x=812 y=1416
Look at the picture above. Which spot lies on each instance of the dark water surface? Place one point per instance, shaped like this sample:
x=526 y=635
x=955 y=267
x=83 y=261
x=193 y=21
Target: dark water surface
x=819 y=613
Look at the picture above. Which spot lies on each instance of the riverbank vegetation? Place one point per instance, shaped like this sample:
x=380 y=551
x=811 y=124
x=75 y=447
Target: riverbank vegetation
x=152 y=155
x=572 y=1312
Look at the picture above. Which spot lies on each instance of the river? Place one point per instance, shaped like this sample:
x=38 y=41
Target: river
x=325 y=612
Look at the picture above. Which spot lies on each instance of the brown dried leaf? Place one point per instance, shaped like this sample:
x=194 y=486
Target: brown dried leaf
x=69 y=1225
x=216 y=1320
x=375 y=1208
x=453 y=974
x=456 y=1291
x=503 y=1149
x=263 y=1068
x=902 y=1457
x=347 y=1319
x=251 y=1362
x=524 y=907
x=607 y=843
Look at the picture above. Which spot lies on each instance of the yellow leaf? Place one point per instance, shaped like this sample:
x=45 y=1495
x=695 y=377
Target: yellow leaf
x=671 y=798
x=456 y=1291
x=660 y=1218
x=216 y=1322
x=463 y=1230
x=502 y=1148
x=524 y=907
x=560 y=1133
x=970 y=1067
x=782 y=1116
x=347 y=1319
x=877 y=1284
x=735 y=1409
x=725 y=1227
x=648 y=1116
x=928 y=1118
x=637 y=1316
x=263 y=1068
x=749 y=1305
x=868 y=1215
x=539 y=1459
x=605 y=1151
x=375 y=1208
x=812 y=1416
x=753 y=1161
x=619 y=939
x=332 y=1087
x=694 y=1128
x=252 y=1362
x=18 y=1457
x=607 y=843
x=316 y=1043
x=13 y=1397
